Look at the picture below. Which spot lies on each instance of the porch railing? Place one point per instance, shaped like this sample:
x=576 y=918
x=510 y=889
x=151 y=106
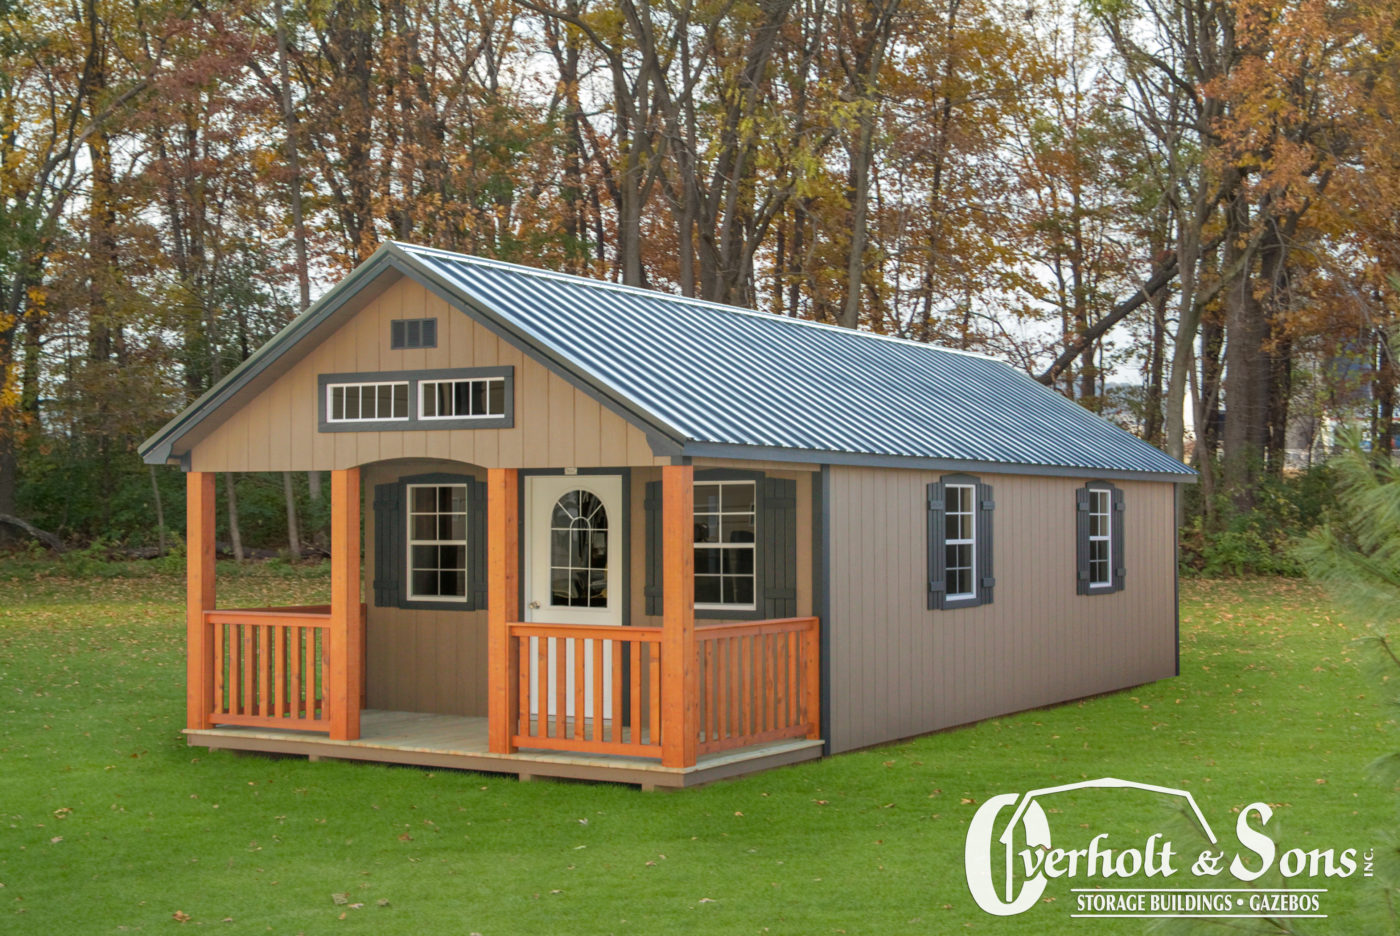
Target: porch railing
x=759 y=682
x=271 y=666
x=588 y=688
x=598 y=689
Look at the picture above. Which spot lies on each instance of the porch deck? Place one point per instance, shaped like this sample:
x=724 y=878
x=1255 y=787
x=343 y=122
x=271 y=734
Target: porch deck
x=427 y=740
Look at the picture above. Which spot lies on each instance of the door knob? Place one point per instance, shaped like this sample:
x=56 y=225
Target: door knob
x=534 y=606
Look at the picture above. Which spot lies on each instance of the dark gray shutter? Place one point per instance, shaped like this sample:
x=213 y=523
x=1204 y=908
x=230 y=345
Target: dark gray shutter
x=778 y=540
x=1116 y=531
x=476 y=544
x=651 y=506
x=429 y=336
x=986 y=580
x=1081 y=540
x=389 y=535
x=396 y=334
x=936 y=557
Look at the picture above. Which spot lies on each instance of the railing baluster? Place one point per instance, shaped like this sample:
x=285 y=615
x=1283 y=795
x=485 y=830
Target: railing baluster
x=599 y=709
x=579 y=682
x=618 y=716
x=635 y=719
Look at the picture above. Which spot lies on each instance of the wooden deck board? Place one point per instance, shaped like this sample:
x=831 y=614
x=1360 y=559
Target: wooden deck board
x=423 y=739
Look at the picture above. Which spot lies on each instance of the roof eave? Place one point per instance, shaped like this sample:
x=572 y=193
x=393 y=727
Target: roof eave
x=820 y=457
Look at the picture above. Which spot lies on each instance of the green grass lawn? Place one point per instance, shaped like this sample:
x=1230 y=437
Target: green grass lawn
x=111 y=824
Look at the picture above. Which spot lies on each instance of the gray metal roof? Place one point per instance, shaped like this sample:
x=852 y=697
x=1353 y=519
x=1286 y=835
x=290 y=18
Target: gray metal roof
x=711 y=380
x=733 y=377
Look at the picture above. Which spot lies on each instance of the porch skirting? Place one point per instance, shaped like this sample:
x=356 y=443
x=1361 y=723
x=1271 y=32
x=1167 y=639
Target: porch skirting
x=453 y=741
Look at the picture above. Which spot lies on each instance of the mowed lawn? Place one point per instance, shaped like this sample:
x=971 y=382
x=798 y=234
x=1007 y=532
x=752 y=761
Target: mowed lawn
x=111 y=824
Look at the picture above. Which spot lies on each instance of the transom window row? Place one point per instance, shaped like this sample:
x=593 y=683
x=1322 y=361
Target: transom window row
x=468 y=398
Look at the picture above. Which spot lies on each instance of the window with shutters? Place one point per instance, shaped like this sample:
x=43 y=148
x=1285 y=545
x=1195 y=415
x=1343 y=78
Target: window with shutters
x=1099 y=509
x=960 y=511
x=430 y=542
x=745 y=546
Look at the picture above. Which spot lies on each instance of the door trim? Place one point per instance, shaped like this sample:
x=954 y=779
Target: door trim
x=522 y=558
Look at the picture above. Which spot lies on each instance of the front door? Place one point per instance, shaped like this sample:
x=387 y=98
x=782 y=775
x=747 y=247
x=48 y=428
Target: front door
x=573 y=567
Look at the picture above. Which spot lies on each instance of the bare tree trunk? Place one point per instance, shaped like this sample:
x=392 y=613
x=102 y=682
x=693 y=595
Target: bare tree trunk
x=313 y=486
x=160 y=511
x=293 y=531
x=289 y=123
x=234 y=534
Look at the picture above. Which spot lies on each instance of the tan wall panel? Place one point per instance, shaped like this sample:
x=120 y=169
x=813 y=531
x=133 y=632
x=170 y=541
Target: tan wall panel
x=420 y=661
x=899 y=669
x=556 y=425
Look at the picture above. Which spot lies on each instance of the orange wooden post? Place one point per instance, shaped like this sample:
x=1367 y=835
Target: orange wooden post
x=199 y=572
x=346 y=662
x=503 y=609
x=680 y=715
x=811 y=662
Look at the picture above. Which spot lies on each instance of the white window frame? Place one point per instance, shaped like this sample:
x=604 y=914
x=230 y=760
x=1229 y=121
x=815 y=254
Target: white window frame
x=969 y=541
x=409 y=514
x=753 y=547
x=427 y=386
x=359 y=387
x=1095 y=494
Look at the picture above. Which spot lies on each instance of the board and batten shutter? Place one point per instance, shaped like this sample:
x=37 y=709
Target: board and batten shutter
x=1116 y=549
x=937 y=566
x=1081 y=539
x=986 y=579
x=651 y=508
x=476 y=544
x=389 y=535
x=778 y=541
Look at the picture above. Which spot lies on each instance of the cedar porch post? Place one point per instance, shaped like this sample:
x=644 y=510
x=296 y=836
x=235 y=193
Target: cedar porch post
x=503 y=606
x=199 y=597
x=680 y=712
x=346 y=661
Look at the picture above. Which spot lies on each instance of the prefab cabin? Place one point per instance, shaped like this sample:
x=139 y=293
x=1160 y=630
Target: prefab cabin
x=593 y=531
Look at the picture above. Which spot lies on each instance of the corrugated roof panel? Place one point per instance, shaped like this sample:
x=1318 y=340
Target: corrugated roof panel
x=730 y=376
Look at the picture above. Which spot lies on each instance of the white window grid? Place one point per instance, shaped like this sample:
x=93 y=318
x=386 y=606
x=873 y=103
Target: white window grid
x=367 y=397
x=1100 y=539
x=752 y=514
x=433 y=404
x=436 y=513
x=959 y=507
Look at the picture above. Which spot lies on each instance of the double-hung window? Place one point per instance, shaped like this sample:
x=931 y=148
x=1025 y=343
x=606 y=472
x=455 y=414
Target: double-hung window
x=725 y=530
x=1099 y=509
x=959 y=543
x=437 y=542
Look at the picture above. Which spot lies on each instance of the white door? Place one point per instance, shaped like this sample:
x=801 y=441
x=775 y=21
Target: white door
x=573 y=571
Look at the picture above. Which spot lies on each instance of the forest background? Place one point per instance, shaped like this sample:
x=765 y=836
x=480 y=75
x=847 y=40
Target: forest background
x=1178 y=213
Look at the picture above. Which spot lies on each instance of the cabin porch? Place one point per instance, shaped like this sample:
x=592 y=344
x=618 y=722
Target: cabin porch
x=670 y=705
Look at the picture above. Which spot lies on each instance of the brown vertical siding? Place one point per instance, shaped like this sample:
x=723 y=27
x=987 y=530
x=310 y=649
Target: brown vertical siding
x=898 y=669
x=556 y=425
x=420 y=661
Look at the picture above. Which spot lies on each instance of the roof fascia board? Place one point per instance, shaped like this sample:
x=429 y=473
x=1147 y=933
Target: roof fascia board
x=775 y=453
x=657 y=430
x=158 y=449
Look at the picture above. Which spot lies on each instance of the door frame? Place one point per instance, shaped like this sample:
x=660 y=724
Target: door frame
x=523 y=557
